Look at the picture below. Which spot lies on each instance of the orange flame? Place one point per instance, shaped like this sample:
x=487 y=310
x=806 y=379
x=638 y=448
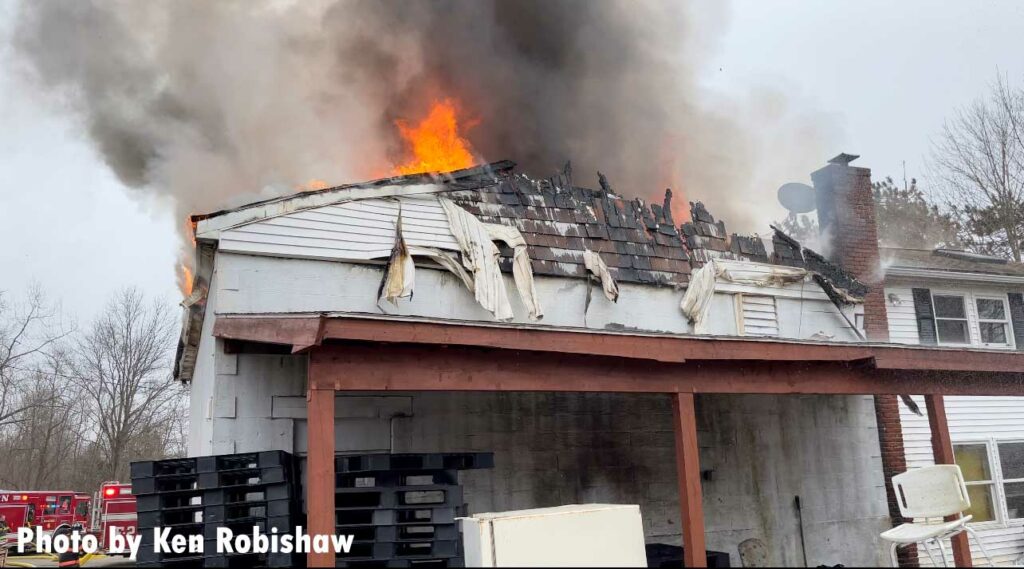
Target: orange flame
x=186 y=282
x=313 y=185
x=435 y=142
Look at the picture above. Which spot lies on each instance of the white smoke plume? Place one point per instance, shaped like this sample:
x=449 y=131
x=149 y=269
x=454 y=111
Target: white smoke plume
x=220 y=103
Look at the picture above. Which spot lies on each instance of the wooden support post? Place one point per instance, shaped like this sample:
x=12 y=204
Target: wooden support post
x=942 y=450
x=320 y=471
x=688 y=473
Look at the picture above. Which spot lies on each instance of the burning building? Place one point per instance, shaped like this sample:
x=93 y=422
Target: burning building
x=604 y=351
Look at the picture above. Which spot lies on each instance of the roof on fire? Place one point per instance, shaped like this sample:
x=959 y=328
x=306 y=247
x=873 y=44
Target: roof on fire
x=640 y=242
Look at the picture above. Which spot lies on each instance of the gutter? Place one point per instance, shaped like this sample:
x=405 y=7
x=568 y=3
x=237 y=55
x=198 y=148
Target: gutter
x=909 y=272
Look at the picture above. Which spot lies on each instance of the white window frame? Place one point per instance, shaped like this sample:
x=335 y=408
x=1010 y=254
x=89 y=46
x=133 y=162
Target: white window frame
x=965 y=298
x=999 y=502
x=970 y=299
x=1003 y=481
x=1002 y=515
x=1007 y=324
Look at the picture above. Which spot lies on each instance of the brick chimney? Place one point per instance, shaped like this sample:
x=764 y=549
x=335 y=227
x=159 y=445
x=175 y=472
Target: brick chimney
x=846 y=216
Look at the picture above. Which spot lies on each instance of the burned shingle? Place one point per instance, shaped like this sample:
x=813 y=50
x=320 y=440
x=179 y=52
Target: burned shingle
x=559 y=221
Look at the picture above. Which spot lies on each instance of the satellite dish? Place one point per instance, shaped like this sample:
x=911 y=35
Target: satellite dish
x=797 y=197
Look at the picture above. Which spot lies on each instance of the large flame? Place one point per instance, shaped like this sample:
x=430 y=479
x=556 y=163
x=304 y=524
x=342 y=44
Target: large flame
x=186 y=280
x=435 y=143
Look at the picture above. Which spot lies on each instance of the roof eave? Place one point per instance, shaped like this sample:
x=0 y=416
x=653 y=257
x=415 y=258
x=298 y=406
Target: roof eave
x=914 y=272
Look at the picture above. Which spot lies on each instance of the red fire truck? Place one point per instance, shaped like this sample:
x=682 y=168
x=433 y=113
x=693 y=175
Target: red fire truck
x=114 y=511
x=46 y=509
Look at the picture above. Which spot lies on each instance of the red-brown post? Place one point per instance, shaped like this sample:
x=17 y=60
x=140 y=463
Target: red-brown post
x=320 y=471
x=942 y=449
x=688 y=473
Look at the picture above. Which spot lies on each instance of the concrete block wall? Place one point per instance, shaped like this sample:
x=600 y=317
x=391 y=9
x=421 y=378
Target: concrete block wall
x=761 y=451
x=551 y=449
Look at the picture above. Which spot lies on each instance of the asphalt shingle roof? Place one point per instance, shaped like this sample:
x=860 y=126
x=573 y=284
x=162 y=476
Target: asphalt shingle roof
x=948 y=260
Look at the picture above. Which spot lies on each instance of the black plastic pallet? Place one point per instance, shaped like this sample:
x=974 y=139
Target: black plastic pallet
x=396 y=478
x=190 y=563
x=253 y=559
x=150 y=468
x=408 y=563
x=245 y=460
x=419 y=461
x=245 y=477
x=147 y=538
x=170 y=517
x=283 y=525
x=248 y=511
x=345 y=518
x=241 y=495
x=399 y=496
x=176 y=500
x=164 y=484
x=419 y=550
x=419 y=532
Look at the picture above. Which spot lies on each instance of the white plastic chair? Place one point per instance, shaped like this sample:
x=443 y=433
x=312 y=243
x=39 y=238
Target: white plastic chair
x=930 y=494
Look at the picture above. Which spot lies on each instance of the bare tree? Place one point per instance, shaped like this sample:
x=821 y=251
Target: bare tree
x=40 y=449
x=979 y=159
x=123 y=365
x=29 y=330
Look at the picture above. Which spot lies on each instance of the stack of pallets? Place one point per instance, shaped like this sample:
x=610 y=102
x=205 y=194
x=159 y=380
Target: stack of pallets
x=195 y=496
x=401 y=508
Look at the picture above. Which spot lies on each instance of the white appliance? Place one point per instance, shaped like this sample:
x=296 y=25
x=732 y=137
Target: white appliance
x=582 y=535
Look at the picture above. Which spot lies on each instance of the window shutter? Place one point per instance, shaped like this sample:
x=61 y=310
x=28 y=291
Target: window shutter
x=1017 y=318
x=925 y=316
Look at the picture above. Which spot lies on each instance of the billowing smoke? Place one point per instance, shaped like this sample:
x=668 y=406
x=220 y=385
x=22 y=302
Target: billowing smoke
x=220 y=103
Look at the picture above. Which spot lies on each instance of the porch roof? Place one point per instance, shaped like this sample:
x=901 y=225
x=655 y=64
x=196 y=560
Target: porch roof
x=351 y=353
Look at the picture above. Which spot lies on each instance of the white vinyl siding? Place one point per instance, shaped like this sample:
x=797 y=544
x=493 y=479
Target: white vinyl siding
x=899 y=309
x=984 y=420
x=759 y=315
x=356 y=230
x=899 y=306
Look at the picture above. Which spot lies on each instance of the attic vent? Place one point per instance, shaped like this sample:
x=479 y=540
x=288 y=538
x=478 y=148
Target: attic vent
x=969 y=256
x=757 y=315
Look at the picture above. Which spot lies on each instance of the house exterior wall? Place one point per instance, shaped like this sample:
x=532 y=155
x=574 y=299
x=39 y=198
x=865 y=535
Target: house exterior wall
x=251 y=284
x=560 y=448
x=985 y=420
x=552 y=449
x=899 y=306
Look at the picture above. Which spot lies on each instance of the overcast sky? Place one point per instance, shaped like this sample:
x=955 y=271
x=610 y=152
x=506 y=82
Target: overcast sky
x=884 y=75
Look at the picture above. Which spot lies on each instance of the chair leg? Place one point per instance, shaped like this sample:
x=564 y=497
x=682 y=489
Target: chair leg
x=928 y=550
x=981 y=546
x=892 y=555
x=942 y=551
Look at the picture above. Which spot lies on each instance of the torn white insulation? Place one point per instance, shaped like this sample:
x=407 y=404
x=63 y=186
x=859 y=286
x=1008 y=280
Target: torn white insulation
x=522 y=272
x=701 y=288
x=444 y=259
x=593 y=262
x=401 y=272
x=480 y=257
x=697 y=300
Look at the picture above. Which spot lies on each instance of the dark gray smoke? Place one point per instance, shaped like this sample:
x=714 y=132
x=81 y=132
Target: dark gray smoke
x=215 y=103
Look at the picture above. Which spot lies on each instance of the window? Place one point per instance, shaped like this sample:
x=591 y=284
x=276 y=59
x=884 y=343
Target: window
x=82 y=509
x=993 y=323
x=1011 y=459
x=974 y=463
x=996 y=494
x=951 y=319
